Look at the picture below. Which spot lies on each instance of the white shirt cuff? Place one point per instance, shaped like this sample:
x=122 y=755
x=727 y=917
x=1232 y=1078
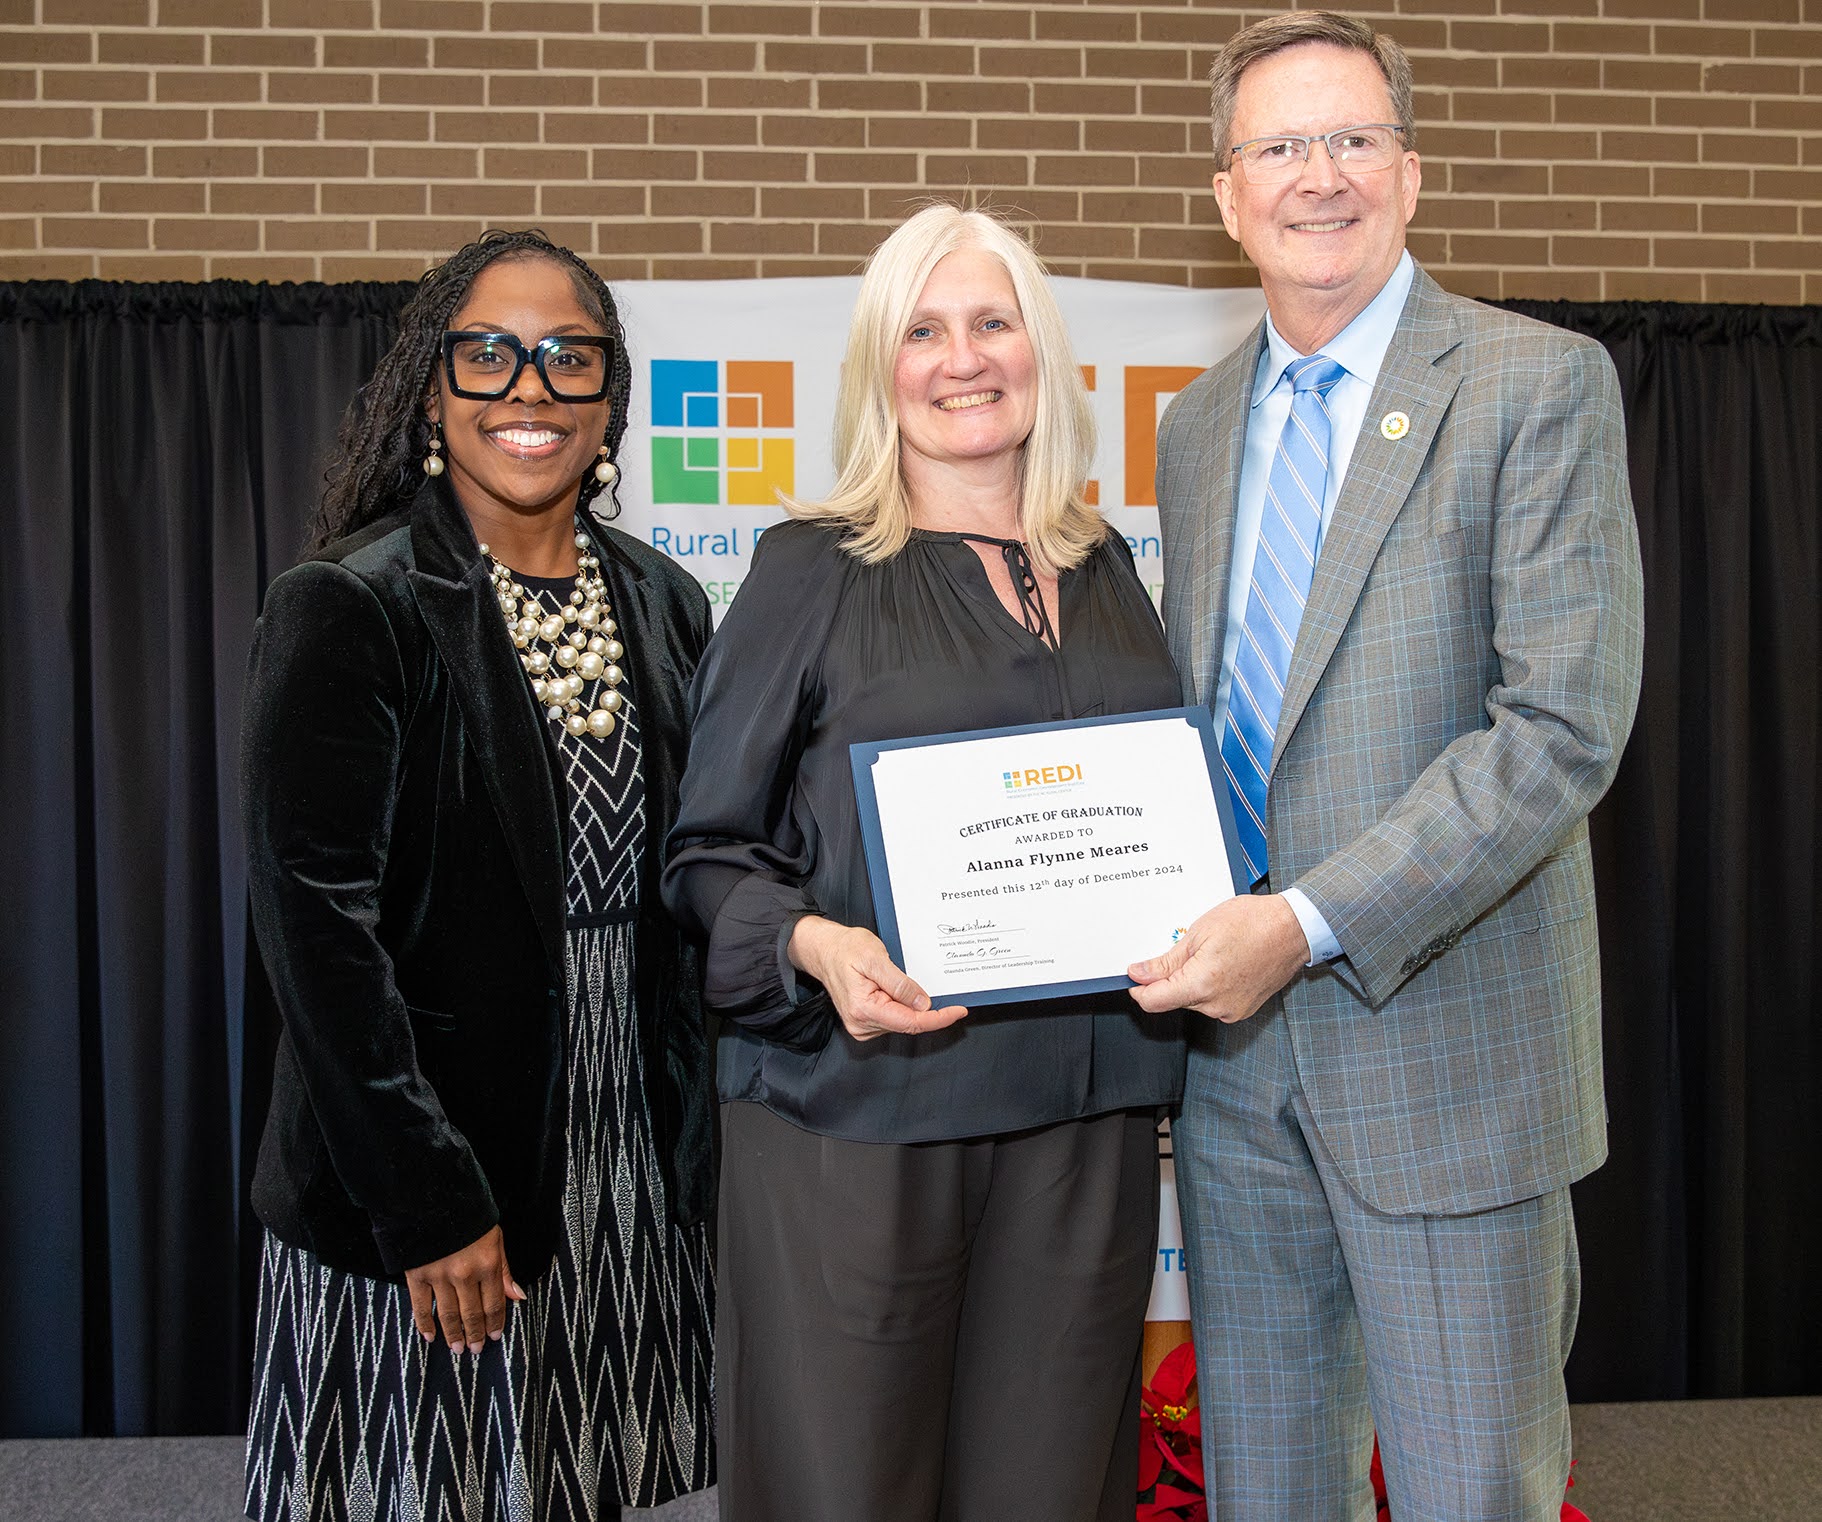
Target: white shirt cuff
x=1323 y=945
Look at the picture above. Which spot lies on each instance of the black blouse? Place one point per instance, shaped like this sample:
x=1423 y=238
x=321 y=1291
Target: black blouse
x=820 y=650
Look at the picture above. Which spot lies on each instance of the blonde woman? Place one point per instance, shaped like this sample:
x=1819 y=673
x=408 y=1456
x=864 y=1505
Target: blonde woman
x=936 y=1225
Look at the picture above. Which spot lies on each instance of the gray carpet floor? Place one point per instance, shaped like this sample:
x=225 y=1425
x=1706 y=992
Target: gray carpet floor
x=167 y=1479
x=1700 y=1461
x=1685 y=1461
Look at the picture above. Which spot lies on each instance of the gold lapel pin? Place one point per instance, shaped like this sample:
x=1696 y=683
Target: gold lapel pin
x=1395 y=425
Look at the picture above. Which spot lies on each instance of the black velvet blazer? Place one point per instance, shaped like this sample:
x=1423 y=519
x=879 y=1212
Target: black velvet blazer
x=407 y=864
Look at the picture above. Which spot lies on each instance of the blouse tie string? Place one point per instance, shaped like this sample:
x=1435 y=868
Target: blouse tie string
x=1032 y=613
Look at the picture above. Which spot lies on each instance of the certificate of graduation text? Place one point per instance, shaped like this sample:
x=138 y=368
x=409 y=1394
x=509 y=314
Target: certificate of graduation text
x=1044 y=859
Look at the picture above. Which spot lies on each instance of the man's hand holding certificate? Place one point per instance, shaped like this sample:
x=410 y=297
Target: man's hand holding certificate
x=1024 y=863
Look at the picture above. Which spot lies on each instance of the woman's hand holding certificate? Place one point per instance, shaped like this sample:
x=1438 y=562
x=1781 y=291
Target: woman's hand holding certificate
x=1042 y=860
x=872 y=996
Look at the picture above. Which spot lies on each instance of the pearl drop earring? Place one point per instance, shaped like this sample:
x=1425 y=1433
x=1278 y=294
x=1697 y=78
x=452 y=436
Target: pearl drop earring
x=433 y=462
x=606 y=472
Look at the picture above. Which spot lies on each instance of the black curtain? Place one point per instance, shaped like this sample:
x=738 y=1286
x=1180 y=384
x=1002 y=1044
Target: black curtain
x=164 y=445
x=1702 y=1237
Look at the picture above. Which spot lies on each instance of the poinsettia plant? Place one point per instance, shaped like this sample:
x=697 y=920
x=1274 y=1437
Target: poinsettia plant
x=1170 y=1443
x=1171 y=1477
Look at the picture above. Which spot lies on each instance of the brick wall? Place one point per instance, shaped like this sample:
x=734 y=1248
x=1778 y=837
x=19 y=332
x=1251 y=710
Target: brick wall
x=1584 y=149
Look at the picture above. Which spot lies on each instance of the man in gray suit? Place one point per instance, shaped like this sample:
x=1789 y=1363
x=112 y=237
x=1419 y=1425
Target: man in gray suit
x=1400 y=561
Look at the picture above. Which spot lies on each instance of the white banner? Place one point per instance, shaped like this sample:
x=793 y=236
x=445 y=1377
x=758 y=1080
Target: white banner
x=1170 y=1278
x=734 y=390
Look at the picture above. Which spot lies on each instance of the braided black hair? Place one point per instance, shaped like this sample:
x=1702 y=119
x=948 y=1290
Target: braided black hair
x=385 y=434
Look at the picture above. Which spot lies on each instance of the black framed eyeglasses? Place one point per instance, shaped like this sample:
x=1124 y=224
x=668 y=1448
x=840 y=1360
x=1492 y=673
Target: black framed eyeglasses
x=483 y=367
x=1353 y=150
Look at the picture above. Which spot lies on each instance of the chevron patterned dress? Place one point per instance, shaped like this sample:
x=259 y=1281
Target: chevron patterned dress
x=601 y=1392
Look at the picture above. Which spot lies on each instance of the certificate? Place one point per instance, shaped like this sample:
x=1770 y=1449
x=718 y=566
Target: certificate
x=1042 y=859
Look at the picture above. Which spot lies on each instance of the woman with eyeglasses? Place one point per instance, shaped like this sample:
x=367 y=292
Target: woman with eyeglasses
x=486 y=1290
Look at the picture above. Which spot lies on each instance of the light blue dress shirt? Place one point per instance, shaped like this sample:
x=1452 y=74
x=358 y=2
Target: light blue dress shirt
x=1360 y=348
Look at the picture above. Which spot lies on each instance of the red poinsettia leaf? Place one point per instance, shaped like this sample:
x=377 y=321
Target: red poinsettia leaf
x=1175 y=1374
x=1172 y=1495
x=1151 y=1463
x=1193 y=1510
x=1166 y=1413
x=1187 y=1461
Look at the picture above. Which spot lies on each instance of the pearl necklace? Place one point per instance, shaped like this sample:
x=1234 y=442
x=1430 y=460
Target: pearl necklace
x=579 y=644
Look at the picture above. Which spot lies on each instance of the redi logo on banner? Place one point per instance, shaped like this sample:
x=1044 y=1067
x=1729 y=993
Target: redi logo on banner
x=722 y=431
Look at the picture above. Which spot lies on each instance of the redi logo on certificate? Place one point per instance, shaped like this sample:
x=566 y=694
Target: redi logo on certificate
x=1029 y=778
x=1042 y=859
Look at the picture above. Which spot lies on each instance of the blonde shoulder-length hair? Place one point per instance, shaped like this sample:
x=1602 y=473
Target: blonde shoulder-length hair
x=870 y=498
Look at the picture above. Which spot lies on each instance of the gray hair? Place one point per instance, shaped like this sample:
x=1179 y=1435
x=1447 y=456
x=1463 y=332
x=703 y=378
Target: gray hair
x=1276 y=33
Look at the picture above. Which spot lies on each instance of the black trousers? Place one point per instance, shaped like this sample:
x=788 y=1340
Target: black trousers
x=938 y=1332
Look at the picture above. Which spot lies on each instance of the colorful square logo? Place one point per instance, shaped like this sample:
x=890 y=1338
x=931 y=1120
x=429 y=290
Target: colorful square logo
x=721 y=431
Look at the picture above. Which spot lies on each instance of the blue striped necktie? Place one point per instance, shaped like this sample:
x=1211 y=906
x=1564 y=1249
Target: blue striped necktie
x=1282 y=567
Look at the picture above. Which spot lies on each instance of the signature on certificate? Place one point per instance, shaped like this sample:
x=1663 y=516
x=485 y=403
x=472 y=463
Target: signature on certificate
x=979 y=953
x=943 y=928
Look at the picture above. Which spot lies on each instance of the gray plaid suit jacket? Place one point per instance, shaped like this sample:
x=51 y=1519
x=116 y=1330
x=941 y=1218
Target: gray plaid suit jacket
x=1461 y=688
